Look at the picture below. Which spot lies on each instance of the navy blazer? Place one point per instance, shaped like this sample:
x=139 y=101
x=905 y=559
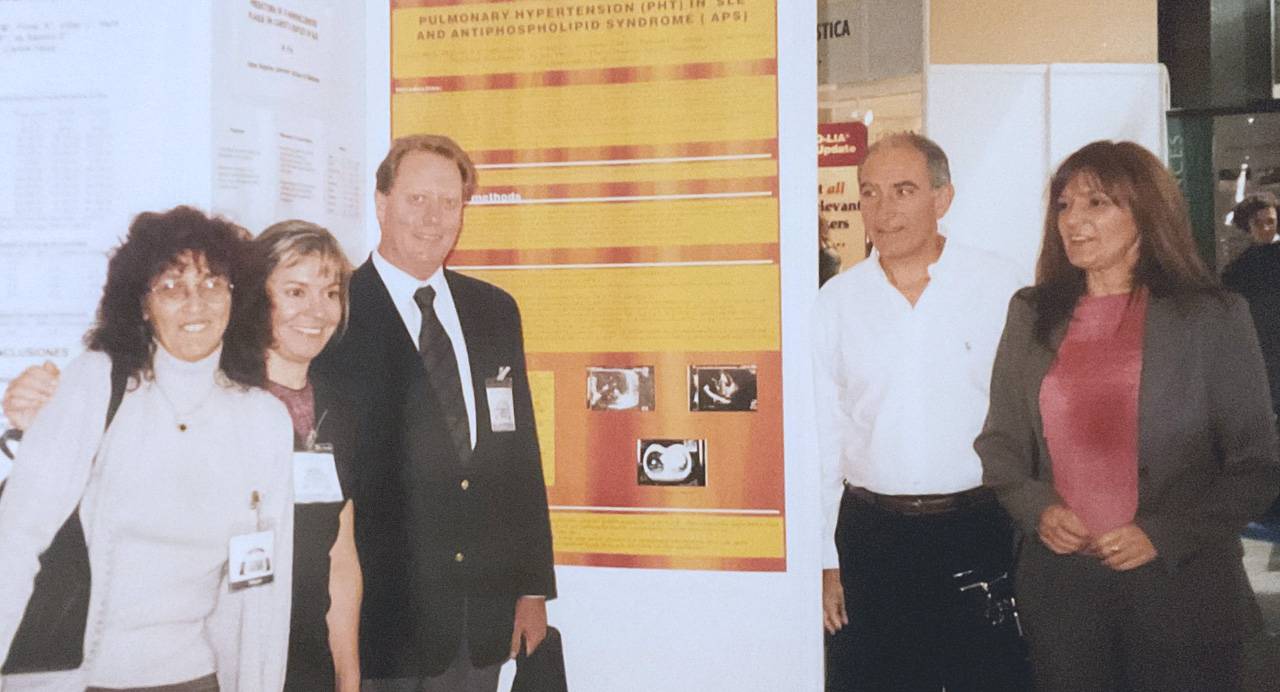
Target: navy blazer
x=436 y=536
x=1207 y=450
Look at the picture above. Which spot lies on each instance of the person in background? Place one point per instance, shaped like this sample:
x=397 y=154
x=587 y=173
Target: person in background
x=903 y=345
x=292 y=295
x=1256 y=271
x=1130 y=437
x=1256 y=215
x=195 y=462
x=1255 y=274
x=828 y=258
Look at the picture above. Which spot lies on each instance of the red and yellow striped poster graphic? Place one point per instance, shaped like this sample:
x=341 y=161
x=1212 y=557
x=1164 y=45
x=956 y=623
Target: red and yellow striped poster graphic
x=628 y=199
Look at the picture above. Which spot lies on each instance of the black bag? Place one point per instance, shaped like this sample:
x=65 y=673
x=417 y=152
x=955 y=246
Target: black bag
x=544 y=670
x=51 y=635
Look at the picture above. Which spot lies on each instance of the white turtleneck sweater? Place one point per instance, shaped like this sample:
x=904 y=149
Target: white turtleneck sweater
x=159 y=506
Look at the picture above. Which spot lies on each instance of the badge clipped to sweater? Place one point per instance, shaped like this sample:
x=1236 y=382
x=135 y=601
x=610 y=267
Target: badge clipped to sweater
x=251 y=556
x=315 y=475
x=502 y=409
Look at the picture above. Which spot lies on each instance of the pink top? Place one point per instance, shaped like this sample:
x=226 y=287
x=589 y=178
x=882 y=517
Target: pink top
x=302 y=407
x=1089 y=406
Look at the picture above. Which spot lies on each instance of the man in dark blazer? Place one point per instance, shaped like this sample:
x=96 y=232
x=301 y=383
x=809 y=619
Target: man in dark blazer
x=451 y=511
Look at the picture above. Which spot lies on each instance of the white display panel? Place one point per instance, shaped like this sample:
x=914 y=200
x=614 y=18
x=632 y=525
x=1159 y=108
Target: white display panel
x=103 y=110
x=1005 y=128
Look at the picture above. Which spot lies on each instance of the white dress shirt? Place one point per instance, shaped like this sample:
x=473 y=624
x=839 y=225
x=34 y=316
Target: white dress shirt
x=402 y=285
x=901 y=390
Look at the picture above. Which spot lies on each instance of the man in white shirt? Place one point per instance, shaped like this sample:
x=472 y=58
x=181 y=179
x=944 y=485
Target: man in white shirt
x=903 y=348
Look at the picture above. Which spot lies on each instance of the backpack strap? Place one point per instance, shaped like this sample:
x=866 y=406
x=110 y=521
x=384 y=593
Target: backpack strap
x=119 y=380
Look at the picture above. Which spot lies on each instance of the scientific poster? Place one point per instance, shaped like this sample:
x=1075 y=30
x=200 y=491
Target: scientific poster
x=288 y=141
x=628 y=199
x=78 y=158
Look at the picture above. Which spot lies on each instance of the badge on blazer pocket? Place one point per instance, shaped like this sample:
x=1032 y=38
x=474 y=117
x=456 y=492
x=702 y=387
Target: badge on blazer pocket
x=502 y=409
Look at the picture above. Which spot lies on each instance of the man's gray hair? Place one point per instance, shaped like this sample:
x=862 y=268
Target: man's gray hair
x=935 y=159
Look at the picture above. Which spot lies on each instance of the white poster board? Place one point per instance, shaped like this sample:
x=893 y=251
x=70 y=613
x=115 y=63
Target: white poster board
x=1005 y=128
x=103 y=114
x=288 y=115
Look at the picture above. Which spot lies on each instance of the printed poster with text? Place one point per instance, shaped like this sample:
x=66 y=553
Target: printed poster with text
x=628 y=199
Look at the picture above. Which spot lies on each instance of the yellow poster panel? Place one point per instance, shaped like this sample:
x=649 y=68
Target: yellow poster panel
x=705 y=307
x=448 y=39
x=628 y=201
x=542 y=388
x=676 y=535
x=656 y=223
x=762 y=166
x=596 y=114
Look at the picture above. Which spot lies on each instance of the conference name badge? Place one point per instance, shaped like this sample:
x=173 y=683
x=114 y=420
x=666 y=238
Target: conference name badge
x=251 y=559
x=502 y=409
x=315 y=476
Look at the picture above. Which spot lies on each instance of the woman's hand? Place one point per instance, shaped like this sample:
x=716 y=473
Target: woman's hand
x=1125 y=548
x=1062 y=531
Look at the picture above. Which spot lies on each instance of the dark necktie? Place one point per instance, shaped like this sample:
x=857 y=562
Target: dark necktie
x=442 y=372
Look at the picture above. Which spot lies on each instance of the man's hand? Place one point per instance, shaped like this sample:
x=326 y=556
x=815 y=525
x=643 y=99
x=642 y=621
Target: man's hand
x=1125 y=548
x=531 y=624
x=28 y=393
x=834 y=616
x=1062 y=531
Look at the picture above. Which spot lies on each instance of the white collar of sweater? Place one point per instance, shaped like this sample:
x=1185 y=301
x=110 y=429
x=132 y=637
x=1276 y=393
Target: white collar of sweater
x=186 y=383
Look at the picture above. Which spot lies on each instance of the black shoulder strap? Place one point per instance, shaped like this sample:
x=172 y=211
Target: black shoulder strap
x=119 y=380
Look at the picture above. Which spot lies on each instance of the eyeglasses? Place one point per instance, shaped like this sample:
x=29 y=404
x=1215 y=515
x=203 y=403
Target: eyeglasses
x=209 y=289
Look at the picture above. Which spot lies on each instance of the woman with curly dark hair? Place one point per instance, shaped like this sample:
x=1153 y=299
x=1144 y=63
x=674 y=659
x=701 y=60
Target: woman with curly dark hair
x=291 y=296
x=1130 y=437
x=185 y=499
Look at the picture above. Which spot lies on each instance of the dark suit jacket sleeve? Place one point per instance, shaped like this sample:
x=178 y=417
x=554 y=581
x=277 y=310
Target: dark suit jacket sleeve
x=538 y=576
x=1244 y=438
x=1008 y=443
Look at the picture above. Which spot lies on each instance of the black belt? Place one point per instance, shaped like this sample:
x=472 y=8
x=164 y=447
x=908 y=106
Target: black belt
x=924 y=504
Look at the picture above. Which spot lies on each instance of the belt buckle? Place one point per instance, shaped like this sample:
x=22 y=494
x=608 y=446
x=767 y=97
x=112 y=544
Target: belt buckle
x=917 y=505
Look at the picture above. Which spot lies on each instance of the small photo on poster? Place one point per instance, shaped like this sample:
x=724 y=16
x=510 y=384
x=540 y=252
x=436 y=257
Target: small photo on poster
x=722 y=388
x=671 y=462
x=620 y=389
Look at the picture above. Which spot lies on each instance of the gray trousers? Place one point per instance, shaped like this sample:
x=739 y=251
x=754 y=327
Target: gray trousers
x=460 y=676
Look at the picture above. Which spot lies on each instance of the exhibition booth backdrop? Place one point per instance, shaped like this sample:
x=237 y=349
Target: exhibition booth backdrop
x=647 y=194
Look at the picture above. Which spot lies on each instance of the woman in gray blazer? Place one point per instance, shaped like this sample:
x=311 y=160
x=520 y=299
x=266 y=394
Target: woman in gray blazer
x=1131 y=438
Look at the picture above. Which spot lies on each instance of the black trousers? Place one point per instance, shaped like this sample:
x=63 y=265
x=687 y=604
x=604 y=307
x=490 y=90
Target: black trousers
x=910 y=628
